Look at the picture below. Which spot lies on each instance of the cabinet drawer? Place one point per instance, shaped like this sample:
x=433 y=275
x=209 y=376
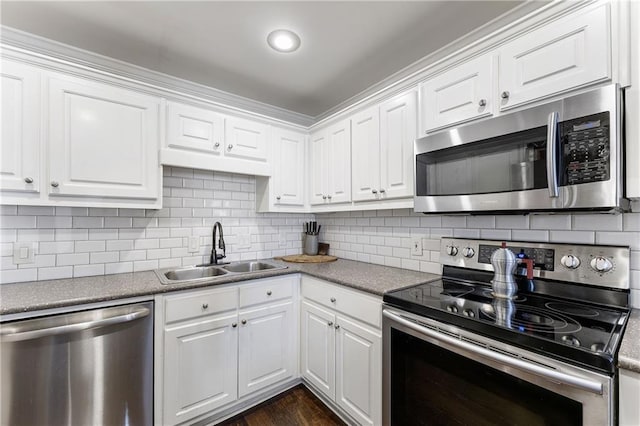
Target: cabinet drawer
x=350 y=302
x=267 y=291
x=192 y=305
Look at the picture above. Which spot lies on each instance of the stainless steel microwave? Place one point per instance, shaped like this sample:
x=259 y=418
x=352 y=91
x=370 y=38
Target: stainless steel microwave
x=565 y=154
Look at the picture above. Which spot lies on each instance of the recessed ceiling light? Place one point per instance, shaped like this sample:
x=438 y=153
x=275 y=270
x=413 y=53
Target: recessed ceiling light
x=283 y=40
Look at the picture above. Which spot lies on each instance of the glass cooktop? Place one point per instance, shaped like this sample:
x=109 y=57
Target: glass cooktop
x=575 y=332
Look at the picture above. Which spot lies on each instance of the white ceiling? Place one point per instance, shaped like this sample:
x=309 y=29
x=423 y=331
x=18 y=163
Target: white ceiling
x=346 y=46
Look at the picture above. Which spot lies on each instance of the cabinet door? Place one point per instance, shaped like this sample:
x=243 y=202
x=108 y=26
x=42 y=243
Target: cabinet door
x=317 y=349
x=266 y=351
x=397 y=133
x=289 y=170
x=194 y=129
x=339 y=163
x=460 y=94
x=246 y=139
x=103 y=140
x=629 y=390
x=318 y=160
x=365 y=143
x=359 y=371
x=20 y=123
x=200 y=367
x=569 y=53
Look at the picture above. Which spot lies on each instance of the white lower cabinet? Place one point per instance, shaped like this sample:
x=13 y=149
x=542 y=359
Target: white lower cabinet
x=221 y=346
x=341 y=356
x=629 y=409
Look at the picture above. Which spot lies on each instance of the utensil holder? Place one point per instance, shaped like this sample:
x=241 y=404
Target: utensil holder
x=311 y=245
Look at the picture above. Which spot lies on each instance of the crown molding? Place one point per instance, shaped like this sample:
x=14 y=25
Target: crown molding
x=27 y=43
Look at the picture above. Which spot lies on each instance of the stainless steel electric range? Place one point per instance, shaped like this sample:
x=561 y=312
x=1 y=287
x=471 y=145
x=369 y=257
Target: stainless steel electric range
x=454 y=354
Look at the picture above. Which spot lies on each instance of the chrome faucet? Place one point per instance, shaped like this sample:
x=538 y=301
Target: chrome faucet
x=214 y=252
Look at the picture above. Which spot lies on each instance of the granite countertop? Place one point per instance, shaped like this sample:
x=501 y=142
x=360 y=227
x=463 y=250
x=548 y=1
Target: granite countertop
x=629 y=354
x=38 y=295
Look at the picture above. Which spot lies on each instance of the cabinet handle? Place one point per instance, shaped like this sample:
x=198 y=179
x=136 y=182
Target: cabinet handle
x=243 y=322
x=337 y=326
x=505 y=95
x=324 y=197
x=330 y=323
x=205 y=305
x=234 y=325
x=382 y=190
x=28 y=179
x=230 y=146
x=333 y=300
x=374 y=191
x=54 y=184
x=268 y=292
x=482 y=102
x=278 y=198
x=216 y=145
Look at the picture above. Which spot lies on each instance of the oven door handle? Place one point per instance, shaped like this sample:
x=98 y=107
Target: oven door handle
x=547 y=373
x=552 y=155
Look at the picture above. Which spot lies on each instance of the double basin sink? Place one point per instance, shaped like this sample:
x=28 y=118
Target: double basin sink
x=212 y=272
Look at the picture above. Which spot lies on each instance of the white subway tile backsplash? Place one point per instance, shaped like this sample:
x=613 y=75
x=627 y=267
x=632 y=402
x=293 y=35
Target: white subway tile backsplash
x=88 y=270
x=18 y=275
x=17 y=222
x=35 y=210
x=56 y=247
x=118 y=268
x=72 y=234
x=577 y=237
x=55 y=273
x=104 y=257
x=529 y=235
x=597 y=222
x=630 y=238
x=36 y=235
x=90 y=246
x=512 y=222
x=72 y=259
x=550 y=221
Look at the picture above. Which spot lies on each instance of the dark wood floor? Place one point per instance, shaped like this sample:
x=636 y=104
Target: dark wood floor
x=297 y=406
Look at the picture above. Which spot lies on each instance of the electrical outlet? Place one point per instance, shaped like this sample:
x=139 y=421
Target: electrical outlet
x=416 y=246
x=23 y=253
x=194 y=244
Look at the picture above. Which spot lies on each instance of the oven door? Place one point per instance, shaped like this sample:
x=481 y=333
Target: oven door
x=437 y=374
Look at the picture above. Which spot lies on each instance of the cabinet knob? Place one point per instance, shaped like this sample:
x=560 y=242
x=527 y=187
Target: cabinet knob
x=382 y=190
x=230 y=146
x=216 y=145
x=505 y=94
x=269 y=293
x=324 y=197
x=337 y=326
x=333 y=300
x=278 y=198
x=243 y=322
x=205 y=305
x=329 y=197
x=374 y=191
x=28 y=179
x=482 y=102
x=330 y=323
x=55 y=184
x=234 y=325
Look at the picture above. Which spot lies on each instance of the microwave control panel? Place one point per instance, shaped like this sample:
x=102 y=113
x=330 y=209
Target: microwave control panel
x=586 y=150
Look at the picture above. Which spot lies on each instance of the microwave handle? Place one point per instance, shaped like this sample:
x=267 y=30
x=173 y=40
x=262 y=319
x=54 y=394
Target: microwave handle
x=552 y=154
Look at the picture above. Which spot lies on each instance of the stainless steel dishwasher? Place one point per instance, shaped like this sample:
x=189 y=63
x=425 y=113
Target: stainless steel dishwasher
x=91 y=367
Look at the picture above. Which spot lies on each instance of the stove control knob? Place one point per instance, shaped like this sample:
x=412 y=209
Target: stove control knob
x=452 y=308
x=468 y=252
x=601 y=264
x=570 y=261
x=469 y=313
x=452 y=250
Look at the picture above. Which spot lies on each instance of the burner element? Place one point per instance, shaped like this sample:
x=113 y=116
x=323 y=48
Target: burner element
x=571 y=340
x=572 y=309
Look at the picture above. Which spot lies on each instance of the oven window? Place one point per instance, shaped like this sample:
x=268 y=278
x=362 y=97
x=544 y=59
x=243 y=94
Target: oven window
x=433 y=386
x=514 y=162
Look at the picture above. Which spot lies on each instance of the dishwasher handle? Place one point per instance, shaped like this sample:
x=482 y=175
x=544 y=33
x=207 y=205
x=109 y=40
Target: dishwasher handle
x=16 y=332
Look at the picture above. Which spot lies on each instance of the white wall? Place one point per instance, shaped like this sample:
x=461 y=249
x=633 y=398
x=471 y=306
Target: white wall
x=384 y=237
x=75 y=242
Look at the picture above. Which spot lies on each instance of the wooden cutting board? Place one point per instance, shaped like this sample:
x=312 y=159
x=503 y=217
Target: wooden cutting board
x=305 y=258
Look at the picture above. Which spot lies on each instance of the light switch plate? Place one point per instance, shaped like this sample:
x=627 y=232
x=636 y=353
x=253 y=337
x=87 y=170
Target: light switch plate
x=416 y=246
x=23 y=253
x=194 y=244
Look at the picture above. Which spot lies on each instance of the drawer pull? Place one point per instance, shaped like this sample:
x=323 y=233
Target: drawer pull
x=28 y=179
x=234 y=325
x=333 y=300
x=330 y=323
x=337 y=326
x=243 y=322
x=268 y=292
x=205 y=305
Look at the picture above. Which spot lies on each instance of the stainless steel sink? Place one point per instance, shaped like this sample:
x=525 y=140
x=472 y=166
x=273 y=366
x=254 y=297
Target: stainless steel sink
x=249 y=266
x=206 y=273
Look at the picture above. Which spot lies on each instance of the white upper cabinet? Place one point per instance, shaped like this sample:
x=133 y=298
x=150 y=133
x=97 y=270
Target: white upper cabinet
x=365 y=144
x=289 y=170
x=460 y=94
x=194 y=129
x=103 y=140
x=20 y=123
x=330 y=159
x=205 y=139
x=571 y=52
x=246 y=139
x=398 y=131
